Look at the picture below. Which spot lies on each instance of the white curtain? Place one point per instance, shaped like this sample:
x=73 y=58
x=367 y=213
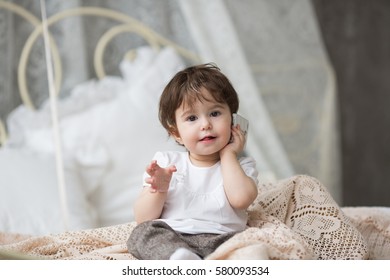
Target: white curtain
x=217 y=40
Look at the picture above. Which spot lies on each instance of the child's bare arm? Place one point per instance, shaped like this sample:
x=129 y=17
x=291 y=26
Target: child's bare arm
x=149 y=205
x=240 y=189
x=151 y=201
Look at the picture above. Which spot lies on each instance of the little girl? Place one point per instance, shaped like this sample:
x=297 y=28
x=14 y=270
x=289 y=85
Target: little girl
x=194 y=201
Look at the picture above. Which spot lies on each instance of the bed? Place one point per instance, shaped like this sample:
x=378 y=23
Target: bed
x=293 y=218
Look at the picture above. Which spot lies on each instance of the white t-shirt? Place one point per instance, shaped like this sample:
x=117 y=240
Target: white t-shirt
x=196 y=201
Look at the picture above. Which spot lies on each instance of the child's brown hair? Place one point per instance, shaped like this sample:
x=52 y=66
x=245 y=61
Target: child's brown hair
x=186 y=87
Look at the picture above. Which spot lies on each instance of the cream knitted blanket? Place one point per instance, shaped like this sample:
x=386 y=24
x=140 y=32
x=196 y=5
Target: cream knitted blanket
x=295 y=218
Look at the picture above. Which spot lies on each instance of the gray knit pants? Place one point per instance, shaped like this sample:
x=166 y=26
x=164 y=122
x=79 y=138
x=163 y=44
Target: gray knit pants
x=155 y=240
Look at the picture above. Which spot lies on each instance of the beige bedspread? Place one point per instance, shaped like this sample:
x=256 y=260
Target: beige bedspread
x=295 y=218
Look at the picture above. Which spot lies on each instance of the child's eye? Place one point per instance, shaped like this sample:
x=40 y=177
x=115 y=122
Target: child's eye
x=215 y=114
x=191 y=118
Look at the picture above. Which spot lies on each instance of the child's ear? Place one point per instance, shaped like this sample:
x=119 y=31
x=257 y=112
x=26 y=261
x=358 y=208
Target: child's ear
x=178 y=140
x=175 y=134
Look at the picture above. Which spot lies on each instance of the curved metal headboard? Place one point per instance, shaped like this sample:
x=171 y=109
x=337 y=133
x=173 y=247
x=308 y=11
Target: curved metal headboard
x=126 y=24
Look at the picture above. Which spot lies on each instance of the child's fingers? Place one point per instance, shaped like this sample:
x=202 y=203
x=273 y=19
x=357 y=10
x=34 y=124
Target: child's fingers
x=236 y=132
x=172 y=168
x=238 y=129
x=151 y=168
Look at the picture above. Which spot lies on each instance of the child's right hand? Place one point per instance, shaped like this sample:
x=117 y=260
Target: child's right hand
x=159 y=177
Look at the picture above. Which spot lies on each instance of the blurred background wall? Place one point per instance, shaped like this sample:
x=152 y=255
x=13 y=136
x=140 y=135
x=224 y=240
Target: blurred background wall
x=357 y=38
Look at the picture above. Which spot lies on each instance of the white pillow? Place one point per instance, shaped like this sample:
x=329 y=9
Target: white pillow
x=29 y=196
x=23 y=120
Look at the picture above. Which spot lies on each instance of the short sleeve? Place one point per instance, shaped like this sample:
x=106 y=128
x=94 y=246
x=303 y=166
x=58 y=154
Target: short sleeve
x=248 y=164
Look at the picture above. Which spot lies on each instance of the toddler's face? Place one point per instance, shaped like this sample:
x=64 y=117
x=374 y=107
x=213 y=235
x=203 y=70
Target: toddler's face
x=204 y=128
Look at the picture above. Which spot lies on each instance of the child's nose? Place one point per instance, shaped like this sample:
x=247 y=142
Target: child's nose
x=206 y=124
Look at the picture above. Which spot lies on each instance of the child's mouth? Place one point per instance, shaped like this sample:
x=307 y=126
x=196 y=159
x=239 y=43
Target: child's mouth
x=207 y=138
